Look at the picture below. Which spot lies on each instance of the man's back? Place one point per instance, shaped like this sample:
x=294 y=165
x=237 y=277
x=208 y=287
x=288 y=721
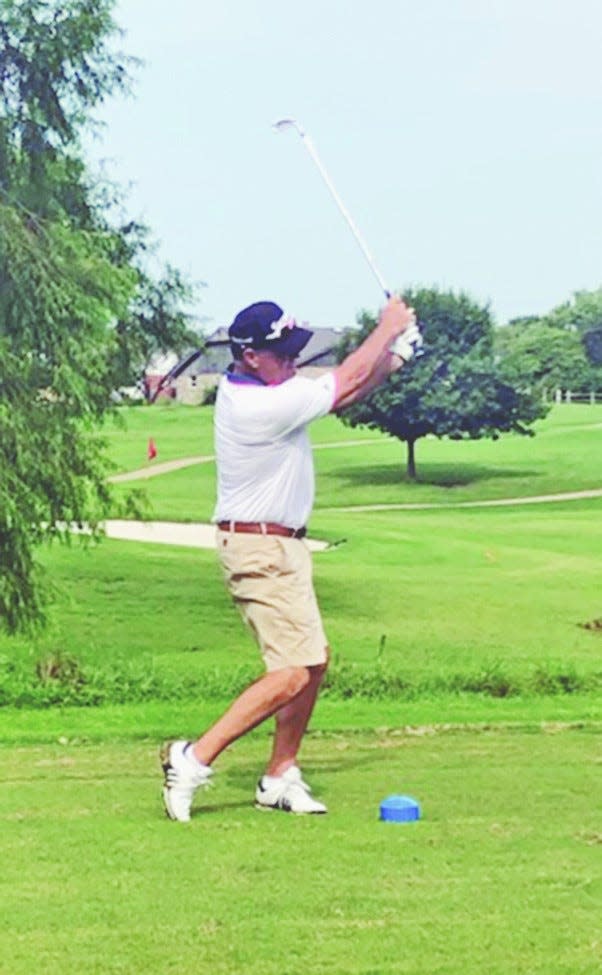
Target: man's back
x=264 y=460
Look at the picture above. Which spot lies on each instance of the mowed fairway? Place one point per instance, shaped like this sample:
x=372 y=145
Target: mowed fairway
x=565 y=455
x=436 y=597
x=501 y=875
x=468 y=664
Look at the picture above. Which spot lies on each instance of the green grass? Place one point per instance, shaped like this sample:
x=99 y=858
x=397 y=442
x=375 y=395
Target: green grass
x=475 y=687
x=460 y=590
x=414 y=603
x=184 y=431
x=502 y=874
x=183 y=495
x=155 y=720
x=449 y=471
x=563 y=456
x=177 y=431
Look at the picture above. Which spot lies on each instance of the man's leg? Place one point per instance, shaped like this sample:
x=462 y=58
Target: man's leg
x=265 y=697
x=272 y=602
x=282 y=787
x=291 y=724
x=187 y=767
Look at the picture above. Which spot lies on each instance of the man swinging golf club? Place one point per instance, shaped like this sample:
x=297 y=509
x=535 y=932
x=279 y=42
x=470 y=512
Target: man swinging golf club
x=265 y=496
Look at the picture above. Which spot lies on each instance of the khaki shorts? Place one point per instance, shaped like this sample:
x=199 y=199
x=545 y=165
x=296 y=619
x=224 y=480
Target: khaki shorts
x=270 y=580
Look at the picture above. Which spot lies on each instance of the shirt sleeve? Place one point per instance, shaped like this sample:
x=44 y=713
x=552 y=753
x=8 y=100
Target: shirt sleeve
x=295 y=403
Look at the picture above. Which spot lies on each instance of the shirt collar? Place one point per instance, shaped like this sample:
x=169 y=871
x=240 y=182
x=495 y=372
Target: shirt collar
x=243 y=378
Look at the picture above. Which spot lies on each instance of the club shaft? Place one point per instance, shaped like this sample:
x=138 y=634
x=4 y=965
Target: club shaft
x=358 y=237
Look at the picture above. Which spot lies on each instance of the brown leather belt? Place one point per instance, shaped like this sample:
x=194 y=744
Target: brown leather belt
x=261 y=528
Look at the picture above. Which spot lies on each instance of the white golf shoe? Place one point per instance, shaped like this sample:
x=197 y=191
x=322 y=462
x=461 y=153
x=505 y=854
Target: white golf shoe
x=183 y=776
x=287 y=792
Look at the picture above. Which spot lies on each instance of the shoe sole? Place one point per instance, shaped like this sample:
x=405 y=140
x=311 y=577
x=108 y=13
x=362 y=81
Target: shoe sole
x=292 y=812
x=168 y=810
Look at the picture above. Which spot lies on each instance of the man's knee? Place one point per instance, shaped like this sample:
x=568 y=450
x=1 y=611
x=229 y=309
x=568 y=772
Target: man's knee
x=297 y=679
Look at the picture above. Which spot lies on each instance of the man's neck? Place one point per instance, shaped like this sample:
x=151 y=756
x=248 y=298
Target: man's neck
x=239 y=373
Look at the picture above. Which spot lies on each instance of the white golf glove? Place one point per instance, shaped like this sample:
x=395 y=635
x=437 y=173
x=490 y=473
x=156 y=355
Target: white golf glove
x=408 y=344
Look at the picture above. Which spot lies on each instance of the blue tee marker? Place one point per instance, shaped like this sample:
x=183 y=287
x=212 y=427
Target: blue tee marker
x=399 y=809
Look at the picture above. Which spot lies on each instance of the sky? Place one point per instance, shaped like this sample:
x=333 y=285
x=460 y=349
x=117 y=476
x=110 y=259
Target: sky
x=464 y=137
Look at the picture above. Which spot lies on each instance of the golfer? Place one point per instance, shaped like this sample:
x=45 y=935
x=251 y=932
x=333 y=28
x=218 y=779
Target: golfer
x=265 y=494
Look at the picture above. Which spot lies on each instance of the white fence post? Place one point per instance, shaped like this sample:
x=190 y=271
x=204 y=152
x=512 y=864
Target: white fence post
x=568 y=396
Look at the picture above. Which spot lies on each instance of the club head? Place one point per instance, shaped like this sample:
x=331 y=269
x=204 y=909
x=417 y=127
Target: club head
x=288 y=123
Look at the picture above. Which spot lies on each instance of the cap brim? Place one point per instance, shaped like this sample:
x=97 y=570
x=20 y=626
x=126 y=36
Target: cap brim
x=290 y=343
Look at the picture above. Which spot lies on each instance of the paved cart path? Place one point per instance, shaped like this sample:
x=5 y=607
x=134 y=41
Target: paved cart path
x=492 y=503
x=152 y=469
x=189 y=535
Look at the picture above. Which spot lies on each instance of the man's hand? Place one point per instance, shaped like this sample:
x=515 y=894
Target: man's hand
x=409 y=343
x=371 y=363
x=396 y=317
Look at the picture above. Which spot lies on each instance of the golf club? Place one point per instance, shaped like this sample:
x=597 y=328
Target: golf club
x=290 y=123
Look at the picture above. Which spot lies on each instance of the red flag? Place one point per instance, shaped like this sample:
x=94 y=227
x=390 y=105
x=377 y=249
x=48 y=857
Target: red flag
x=152 y=449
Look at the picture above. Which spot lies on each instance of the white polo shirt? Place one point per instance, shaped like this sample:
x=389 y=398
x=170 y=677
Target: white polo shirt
x=265 y=468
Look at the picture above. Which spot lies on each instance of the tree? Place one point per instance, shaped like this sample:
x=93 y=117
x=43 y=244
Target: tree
x=562 y=349
x=72 y=287
x=456 y=390
x=583 y=316
x=60 y=294
x=542 y=356
x=55 y=68
x=581 y=313
x=156 y=320
x=592 y=340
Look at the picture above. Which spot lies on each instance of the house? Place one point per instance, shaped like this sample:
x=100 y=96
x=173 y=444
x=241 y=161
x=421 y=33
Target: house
x=198 y=372
x=159 y=366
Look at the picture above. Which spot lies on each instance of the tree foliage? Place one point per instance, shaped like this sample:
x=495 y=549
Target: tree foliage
x=56 y=66
x=561 y=349
x=156 y=320
x=77 y=308
x=583 y=316
x=59 y=295
x=543 y=357
x=457 y=389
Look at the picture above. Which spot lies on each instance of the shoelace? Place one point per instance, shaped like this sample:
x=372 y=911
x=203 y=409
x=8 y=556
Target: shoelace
x=289 y=787
x=298 y=787
x=298 y=780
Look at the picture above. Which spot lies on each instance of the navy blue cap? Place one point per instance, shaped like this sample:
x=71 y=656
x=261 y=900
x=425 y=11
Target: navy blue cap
x=265 y=326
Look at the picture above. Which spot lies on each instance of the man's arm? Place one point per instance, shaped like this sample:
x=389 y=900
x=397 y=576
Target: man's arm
x=372 y=362
x=389 y=364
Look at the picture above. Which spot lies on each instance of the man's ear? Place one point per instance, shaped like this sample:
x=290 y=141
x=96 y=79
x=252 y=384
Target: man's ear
x=250 y=359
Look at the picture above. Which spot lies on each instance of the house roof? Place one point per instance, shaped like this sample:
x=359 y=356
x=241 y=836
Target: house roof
x=215 y=356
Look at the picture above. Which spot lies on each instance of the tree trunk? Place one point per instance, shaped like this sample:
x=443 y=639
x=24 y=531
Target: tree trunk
x=411 y=468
